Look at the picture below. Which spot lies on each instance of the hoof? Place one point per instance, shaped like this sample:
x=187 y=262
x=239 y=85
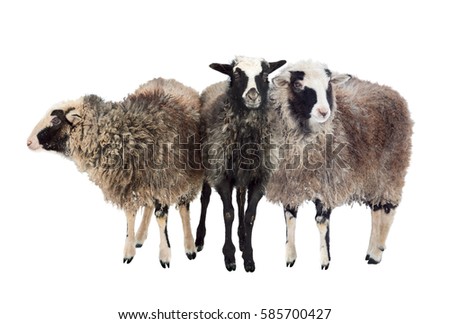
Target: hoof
x=191 y=255
x=139 y=245
x=230 y=264
x=199 y=244
x=290 y=264
x=325 y=267
x=367 y=257
x=127 y=260
x=164 y=264
x=372 y=261
x=249 y=266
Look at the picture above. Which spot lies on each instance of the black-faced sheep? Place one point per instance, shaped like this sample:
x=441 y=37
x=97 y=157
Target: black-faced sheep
x=141 y=152
x=345 y=141
x=237 y=148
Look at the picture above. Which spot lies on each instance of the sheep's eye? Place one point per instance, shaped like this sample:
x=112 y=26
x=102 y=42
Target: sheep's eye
x=297 y=85
x=56 y=121
x=236 y=75
x=265 y=77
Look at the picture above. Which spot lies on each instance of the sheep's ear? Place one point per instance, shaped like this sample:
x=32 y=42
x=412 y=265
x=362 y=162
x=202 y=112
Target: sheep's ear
x=340 y=78
x=275 y=65
x=222 y=68
x=280 y=82
x=73 y=117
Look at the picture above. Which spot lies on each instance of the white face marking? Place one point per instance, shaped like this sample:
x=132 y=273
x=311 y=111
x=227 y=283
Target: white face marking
x=251 y=67
x=33 y=142
x=318 y=80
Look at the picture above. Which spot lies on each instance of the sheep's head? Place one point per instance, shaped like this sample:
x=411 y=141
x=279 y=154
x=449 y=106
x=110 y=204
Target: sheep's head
x=310 y=90
x=249 y=79
x=52 y=132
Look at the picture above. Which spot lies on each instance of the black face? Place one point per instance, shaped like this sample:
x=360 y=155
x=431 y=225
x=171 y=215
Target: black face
x=255 y=97
x=238 y=83
x=304 y=98
x=262 y=82
x=54 y=138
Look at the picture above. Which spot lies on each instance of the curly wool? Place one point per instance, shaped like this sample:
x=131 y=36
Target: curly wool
x=370 y=127
x=143 y=148
x=241 y=146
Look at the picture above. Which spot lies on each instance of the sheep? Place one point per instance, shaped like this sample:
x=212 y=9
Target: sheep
x=143 y=151
x=345 y=141
x=236 y=147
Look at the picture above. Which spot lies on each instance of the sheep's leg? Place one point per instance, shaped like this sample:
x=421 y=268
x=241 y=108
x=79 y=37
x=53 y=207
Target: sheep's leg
x=255 y=193
x=161 y=213
x=240 y=197
x=142 y=232
x=290 y=215
x=225 y=191
x=130 y=241
x=374 y=234
x=323 y=223
x=189 y=245
x=382 y=218
x=201 y=228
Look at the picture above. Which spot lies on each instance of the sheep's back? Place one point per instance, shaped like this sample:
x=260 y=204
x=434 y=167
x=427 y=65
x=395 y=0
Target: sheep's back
x=378 y=126
x=152 y=140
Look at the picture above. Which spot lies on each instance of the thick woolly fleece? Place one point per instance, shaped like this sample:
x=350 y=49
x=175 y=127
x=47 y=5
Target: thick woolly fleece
x=142 y=149
x=360 y=154
x=238 y=146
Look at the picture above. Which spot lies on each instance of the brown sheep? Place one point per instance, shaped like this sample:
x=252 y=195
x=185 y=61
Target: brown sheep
x=142 y=152
x=345 y=141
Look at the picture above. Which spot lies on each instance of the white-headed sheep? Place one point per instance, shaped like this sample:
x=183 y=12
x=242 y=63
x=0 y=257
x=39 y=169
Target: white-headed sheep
x=237 y=148
x=142 y=152
x=345 y=141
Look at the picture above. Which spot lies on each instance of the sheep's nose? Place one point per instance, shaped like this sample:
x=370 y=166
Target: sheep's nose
x=252 y=94
x=29 y=143
x=323 y=111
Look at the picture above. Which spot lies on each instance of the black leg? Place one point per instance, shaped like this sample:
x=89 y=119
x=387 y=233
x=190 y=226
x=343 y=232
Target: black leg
x=255 y=193
x=240 y=197
x=225 y=191
x=201 y=229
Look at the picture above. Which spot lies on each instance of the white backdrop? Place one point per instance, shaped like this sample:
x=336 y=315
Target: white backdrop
x=61 y=244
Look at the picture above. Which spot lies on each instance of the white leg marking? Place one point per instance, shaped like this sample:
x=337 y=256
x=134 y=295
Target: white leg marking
x=382 y=223
x=376 y=215
x=323 y=227
x=189 y=245
x=164 y=247
x=142 y=232
x=130 y=241
x=385 y=226
x=291 y=253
